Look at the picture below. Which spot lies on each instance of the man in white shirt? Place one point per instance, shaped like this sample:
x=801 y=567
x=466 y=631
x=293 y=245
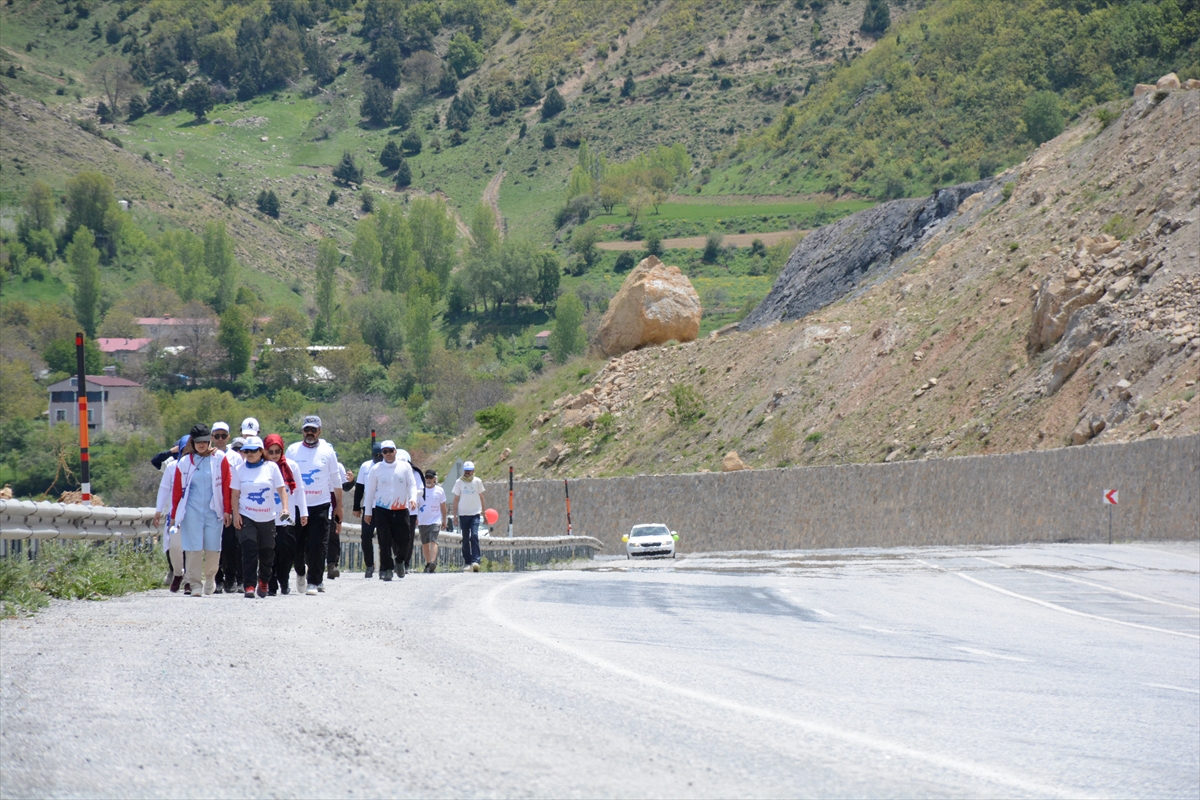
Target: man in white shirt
x=319 y=476
x=431 y=519
x=360 y=488
x=468 y=506
x=391 y=493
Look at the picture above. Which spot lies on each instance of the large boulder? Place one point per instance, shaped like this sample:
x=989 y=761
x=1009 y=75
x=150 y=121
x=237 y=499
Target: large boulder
x=656 y=304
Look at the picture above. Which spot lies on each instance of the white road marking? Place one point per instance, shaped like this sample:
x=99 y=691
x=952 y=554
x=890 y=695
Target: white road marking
x=1195 y=609
x=993 y=563
x=1065 y=610
x=931 y=566
x=1174 y=688
x=978 y=652
x=885 y=746
x=824 y=613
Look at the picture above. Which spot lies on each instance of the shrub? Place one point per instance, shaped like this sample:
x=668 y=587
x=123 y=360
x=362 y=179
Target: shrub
x=1043 y=119
x=625 y=262
x=553 y=104
x=654 y=245
x=688 y=405
x=391 y=156
x=1007 y=192
x=497 y=419
x=411 y=143
x=347 y=171
x=548 y=140
x=712 y=246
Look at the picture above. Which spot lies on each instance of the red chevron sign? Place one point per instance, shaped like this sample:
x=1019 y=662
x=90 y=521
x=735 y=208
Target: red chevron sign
x=1110 y=497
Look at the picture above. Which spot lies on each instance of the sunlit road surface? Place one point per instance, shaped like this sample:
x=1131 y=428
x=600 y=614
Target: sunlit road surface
x=1056 y=670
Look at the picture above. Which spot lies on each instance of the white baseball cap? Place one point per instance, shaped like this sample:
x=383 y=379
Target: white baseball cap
x=252 y=443
x=249 y=427
x=387 y=444
x=469 y=466
x=403 y=456
x=220 y=426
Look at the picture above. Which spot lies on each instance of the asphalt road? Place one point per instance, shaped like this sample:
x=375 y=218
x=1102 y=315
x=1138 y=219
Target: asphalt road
x=1026 y=671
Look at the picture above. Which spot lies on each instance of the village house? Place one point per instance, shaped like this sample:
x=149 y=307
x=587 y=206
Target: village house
x=103 y=391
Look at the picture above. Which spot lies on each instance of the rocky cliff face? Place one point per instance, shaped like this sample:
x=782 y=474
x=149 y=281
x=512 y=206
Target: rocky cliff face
x=834 y=259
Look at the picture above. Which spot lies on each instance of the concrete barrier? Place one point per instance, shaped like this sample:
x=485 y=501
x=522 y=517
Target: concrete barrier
x=1037 y=496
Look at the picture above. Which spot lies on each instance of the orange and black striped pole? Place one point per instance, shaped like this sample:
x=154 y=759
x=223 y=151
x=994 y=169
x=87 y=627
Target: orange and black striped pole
x=85 y=472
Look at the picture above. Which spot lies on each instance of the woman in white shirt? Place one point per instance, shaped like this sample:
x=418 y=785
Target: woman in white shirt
x=285 y=535
x=256 y=481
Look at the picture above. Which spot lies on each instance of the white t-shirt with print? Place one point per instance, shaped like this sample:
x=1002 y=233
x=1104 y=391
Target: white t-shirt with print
x=257 y=487
x=429 y=510
x=470 y=497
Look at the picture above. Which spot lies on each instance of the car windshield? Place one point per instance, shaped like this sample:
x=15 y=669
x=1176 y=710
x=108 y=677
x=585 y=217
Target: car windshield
x=649 y=530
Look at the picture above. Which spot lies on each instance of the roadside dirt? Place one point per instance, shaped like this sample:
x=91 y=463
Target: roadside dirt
x=696 y=242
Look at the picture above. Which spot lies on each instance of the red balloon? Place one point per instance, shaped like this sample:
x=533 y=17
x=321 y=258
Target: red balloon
x=491 y=516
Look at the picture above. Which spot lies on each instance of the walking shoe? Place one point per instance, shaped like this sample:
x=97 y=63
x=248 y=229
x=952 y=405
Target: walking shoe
x=321 y=588
x=475 y=567
x=301 y=584
x=187 y=589
x=428 y=568
x=333 y=571
x=467 y=567
x=210 y=587
x=262 y=589
x=285 y=587
x=230 y=586
x=250 y=592
x=400 y=573
x=219 y=589
x=370 y=572
x=273 y=591
x=311 y=591
x=176 y=582
x=385 y=575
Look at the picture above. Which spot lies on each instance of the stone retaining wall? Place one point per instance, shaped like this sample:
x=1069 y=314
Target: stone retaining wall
x=1039 y=496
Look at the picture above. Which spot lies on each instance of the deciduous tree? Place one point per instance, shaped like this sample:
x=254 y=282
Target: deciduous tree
x=567 y=337
x=84 y=261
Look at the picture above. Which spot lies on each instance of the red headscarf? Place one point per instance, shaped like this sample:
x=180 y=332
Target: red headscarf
x=275 y=438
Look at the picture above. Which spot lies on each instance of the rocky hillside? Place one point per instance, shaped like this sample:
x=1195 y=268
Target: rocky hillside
x=1059 y=306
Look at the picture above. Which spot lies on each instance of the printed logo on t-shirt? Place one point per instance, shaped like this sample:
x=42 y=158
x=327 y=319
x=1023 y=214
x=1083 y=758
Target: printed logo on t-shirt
x=259 y=497
x=309 y=480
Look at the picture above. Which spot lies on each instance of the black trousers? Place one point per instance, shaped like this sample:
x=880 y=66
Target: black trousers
x=395 y=536
x=285 y=554
x=310 y=544
x=333 y=548
x=230 y=571
x=368 y=549
x=412 y=537
x=257 y=542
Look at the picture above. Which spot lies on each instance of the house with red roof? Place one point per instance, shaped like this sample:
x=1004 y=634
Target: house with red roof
x=121 y=349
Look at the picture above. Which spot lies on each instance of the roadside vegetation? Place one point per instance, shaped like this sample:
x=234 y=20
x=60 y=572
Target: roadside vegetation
x=75 y=571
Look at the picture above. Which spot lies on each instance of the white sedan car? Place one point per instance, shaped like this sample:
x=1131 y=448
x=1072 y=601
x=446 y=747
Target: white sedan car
x=650 y=540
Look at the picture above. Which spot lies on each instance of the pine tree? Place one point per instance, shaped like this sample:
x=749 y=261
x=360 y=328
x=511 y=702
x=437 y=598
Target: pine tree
x=876 y=17
x=347 y=171
x=391 y=156
x=403 y=174
x=553 y=104
x=84 y=260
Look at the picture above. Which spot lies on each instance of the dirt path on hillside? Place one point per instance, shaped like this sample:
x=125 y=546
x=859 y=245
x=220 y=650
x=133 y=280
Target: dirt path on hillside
x=735 y=239
x=491 y=196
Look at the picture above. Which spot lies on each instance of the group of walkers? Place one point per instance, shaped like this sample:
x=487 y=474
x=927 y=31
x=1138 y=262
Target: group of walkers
x=242 y=514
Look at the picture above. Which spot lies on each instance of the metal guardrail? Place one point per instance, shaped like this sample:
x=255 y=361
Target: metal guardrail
x=23 y=524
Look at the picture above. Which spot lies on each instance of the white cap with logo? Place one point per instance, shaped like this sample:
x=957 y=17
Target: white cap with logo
x=249 y=427
x=469 y=466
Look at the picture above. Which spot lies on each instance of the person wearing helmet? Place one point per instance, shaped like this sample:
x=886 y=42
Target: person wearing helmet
x=201 y=507
x=391 y=494
x=368 y=530
x=468 y=505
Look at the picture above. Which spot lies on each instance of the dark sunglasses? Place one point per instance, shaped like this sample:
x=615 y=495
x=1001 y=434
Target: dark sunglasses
x=312 y=430
x=273 y=451
x=220 y=435
x=388 y=450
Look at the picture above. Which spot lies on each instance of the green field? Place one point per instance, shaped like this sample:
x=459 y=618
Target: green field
x=701 y=218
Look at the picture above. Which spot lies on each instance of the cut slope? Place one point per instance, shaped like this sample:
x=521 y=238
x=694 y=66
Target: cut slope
x=936 y=361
